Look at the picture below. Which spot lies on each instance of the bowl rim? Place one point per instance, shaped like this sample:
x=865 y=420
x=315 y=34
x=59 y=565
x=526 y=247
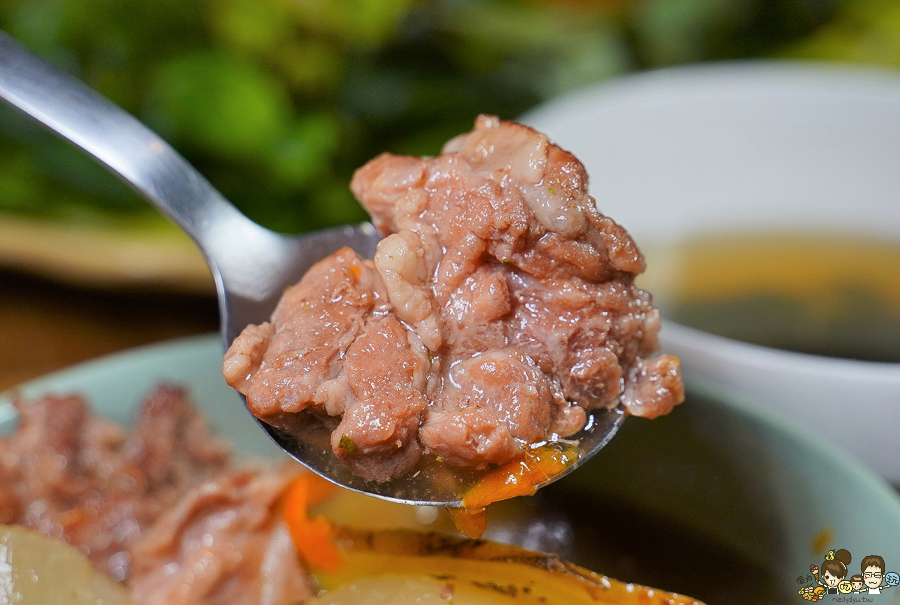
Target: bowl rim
x=745 y=405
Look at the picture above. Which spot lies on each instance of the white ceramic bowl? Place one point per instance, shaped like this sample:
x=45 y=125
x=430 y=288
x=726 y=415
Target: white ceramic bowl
x=694 y=151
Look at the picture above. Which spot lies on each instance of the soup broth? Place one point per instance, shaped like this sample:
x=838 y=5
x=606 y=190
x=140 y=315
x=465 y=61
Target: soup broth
x=822 y=293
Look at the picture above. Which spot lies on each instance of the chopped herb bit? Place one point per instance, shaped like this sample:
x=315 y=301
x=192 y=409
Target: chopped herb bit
x=347 y=444
x=509 y=589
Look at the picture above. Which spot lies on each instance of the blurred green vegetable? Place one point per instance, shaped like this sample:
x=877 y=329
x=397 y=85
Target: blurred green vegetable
x=278 y=101
x=865 y=31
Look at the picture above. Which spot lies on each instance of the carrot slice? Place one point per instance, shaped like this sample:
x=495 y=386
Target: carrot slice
x=471 y=523
x=520 y=476
x=313 y=536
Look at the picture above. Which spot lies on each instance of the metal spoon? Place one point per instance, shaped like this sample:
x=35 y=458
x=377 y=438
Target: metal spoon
x=250 y=264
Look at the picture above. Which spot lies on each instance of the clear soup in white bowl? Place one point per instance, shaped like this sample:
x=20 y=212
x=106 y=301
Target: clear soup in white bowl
x=766 y=197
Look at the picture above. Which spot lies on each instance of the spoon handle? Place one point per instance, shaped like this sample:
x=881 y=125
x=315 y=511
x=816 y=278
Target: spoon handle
x=133 y=152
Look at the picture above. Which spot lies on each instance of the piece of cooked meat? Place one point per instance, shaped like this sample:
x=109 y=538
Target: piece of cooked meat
x=71 y=475
x=499 y=309
x=224 y=542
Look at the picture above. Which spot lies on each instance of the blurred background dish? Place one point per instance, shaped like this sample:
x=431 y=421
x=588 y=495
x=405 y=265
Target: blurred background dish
x=715 y=500
x=764 y=196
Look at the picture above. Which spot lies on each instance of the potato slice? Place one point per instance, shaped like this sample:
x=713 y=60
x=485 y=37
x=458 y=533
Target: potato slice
x=37 y=570
x=401 y=566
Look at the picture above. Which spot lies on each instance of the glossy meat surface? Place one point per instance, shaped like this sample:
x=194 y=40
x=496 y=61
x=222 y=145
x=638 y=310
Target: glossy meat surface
x=499 y=309
x=161 y=507
x=224 y=542
x=71 y=475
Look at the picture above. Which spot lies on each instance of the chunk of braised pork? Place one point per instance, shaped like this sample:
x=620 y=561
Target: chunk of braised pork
x=502 y=301
x=70 y=475
x=224 y=542
x=334 y=346
x=527 y=261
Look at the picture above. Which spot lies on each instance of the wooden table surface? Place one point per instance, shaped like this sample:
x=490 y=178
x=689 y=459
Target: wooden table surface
x=46 y=325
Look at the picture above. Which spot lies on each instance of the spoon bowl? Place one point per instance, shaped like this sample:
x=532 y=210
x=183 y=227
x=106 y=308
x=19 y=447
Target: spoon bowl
x=250 y=264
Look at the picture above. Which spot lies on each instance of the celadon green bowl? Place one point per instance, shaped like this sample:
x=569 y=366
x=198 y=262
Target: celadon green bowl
x=716 y=500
